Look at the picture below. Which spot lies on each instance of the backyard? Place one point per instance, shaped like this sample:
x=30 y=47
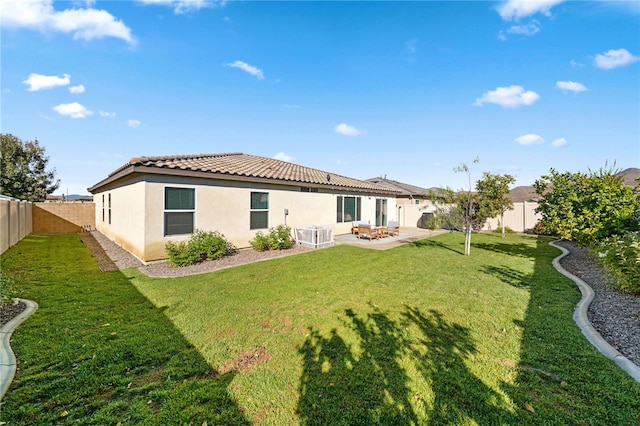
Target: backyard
x=418 y=334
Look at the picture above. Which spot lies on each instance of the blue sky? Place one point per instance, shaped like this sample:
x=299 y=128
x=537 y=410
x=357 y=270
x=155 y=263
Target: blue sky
x=406 y=90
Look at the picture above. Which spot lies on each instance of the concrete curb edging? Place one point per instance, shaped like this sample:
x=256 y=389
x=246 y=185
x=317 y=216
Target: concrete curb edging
x=581 y=318
x=7 y=358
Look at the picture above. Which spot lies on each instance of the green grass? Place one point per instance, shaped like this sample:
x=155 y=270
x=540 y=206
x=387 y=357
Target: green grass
x=415 y=335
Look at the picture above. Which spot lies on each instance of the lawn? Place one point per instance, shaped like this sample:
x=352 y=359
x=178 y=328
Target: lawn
x=419 y=334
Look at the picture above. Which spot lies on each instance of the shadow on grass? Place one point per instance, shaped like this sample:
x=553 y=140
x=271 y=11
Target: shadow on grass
x=561 y=378
x=428 y=243
x=507 y=275
x=367 y=382
x=98 y=352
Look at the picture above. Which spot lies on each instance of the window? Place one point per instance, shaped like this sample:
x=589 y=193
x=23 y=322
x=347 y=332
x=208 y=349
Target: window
x=381 y=211
x=259 y=210
x=103 y=207
x=109 y=208
x=348 y=209
x=179 y=209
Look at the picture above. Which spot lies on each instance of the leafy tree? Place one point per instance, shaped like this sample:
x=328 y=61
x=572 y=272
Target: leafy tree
x=587 y=207
x=23 y=169
x=493 y=191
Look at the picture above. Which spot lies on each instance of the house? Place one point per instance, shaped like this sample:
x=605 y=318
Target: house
x=152 y=200
x=413 y=203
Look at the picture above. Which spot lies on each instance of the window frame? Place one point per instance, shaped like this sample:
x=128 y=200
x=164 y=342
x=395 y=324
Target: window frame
x=180 y=211
x=256 y=212
x=340 y=208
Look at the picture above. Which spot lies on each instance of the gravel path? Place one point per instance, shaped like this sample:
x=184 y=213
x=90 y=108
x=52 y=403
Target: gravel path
x=613 y=313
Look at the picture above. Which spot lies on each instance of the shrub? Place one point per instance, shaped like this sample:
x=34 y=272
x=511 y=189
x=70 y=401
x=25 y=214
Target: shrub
x=539 y=229
x=201 y=246
x=621 y=254
x=260 y=242
x=7 y=289
x=278 y=238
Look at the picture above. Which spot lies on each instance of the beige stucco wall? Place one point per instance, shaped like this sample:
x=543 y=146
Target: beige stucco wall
x=138 y=211
x=411 y=214
x=127 y=224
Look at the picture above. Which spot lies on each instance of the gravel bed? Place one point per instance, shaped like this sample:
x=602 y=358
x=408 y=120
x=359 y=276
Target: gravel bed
x=613 y=313
x=123 y=259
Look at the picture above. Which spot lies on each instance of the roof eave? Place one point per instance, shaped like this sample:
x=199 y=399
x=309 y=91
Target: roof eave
x=142 y=169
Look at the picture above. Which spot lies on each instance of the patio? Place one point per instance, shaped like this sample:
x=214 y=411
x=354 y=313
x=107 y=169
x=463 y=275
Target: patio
x=407 y=235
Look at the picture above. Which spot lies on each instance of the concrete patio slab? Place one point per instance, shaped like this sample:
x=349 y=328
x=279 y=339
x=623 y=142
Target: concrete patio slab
x=407 y=235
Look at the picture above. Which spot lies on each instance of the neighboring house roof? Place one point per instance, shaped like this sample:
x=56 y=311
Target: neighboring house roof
x=404 y=188
x=524 y=193
x=244 y=167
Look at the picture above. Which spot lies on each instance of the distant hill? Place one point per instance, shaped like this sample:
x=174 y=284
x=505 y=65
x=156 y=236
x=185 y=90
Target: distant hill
x=630 y=176
x=528 y=193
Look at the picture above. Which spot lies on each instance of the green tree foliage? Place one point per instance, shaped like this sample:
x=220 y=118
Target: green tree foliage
x=587 y=207
x=23 y=169
x=493 y=195
x=458 y=210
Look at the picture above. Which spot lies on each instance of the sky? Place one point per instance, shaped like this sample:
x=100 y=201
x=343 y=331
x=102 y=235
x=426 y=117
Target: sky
x=403 y=90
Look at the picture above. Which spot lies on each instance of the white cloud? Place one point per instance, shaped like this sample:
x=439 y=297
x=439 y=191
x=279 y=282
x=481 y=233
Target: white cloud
x=77 y=89
x=571 y=86
x=73 y=110
x=516 y=9
x=530 y=139
x=347 y=130
x=133 y=123
x=256 y=72
x=38 y=81
x=508 y=97
x=83 y=23
x=282 y=156
x=185 y=6
x=614 y=58
x=576 y=64
x=107 y=114
x=559 y=142
x=528 y=29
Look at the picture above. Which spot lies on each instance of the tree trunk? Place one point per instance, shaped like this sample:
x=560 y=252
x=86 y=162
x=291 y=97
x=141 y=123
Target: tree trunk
x=467 y=243
x=502 y=223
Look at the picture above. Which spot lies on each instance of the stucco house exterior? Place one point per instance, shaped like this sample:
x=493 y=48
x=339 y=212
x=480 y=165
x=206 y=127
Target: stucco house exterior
x=413 y=205
x=152 y=200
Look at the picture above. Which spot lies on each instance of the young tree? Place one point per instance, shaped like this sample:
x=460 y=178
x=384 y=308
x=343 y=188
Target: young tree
x=23 y=171
x=493 y=191
x=468 y=206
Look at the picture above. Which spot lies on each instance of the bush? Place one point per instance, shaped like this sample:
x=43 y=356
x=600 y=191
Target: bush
x=621 y=254
x=201 y=246
x=7 y=289
x=278 y=238
x=260 y=242
x=539 y=229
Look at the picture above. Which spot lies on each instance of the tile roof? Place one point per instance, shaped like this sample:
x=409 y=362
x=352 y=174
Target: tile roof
x=404 y=188
x=250 y=167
